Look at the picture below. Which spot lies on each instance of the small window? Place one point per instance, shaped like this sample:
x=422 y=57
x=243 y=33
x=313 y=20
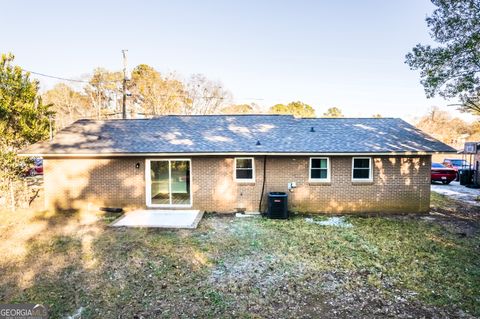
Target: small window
x=362 y=169
x=320 y=169
x=244 y=169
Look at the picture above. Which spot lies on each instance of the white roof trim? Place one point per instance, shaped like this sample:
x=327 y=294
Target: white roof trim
x=224 y=154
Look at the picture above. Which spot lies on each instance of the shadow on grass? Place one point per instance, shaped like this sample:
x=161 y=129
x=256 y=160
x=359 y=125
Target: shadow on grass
x=250 y=267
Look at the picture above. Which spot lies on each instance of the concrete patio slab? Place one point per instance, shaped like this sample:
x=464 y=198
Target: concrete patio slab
x=160 y=219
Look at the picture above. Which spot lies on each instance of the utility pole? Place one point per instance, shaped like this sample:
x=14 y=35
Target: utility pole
x=124 y=86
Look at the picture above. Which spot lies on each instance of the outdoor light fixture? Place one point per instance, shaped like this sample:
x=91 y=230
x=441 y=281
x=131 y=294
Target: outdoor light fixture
x=137 y=166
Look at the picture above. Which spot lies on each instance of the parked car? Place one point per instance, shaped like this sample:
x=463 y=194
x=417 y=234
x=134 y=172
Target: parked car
x=441 y=173
x=456 y=164
x=37 y=168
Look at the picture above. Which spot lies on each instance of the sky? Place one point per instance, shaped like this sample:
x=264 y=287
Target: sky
x=346 y=54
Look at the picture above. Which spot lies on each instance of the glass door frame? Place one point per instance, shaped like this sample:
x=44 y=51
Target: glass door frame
x=148 y=181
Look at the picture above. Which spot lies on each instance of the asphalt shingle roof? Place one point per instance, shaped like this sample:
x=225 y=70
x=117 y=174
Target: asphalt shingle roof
x=239 y=134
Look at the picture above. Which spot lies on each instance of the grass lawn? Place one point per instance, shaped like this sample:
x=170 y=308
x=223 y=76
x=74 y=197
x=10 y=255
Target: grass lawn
x=399 y=266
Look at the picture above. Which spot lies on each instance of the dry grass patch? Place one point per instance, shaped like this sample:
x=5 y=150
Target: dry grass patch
x=248 y=268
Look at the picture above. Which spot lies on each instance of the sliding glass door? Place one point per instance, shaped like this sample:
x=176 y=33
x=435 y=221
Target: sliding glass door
x=168 y=183
x=159 y=184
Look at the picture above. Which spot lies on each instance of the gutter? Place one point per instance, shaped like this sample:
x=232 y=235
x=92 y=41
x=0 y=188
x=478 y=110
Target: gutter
x=84 y=155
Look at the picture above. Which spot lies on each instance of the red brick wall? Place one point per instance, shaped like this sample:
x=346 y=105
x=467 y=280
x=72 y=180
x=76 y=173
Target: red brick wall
x=400 y=184
x=100 y=182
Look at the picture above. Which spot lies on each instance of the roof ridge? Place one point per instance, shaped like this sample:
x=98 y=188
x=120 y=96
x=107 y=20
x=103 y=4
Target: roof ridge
x=348 y=118
x=184 y=115
x=240 y=115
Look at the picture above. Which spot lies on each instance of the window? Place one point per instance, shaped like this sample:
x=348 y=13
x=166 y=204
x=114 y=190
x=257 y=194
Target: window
x=319 y=169
x=362 y=169
x=244 y=169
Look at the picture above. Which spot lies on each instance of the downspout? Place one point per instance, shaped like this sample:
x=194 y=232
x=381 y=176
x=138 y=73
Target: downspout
x=263 y=183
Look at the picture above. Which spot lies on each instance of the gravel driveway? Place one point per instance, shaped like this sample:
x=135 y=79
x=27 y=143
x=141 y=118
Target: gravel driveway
x=458 y=192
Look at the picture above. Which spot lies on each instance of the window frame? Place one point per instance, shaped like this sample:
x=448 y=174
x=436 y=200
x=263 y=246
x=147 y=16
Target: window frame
x=370 y=169
x=319 y=180
x=244 y=180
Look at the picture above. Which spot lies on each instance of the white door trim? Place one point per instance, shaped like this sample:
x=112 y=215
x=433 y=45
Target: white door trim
x=148 y=183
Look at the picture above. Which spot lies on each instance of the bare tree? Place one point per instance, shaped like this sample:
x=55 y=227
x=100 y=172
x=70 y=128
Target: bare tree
x=451 y=130
x=68 y=105
x=240 y=109
x=104 y=92
x=205 y=96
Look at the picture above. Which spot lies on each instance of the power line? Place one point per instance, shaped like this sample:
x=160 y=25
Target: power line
x=65 y=79
x=119 y=81
x=54 y=77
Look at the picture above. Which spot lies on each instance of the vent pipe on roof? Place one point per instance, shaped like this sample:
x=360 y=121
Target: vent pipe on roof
x=312 y=129
x=258 y=143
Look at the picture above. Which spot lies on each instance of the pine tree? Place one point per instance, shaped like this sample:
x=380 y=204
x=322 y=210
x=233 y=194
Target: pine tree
x=24 y=120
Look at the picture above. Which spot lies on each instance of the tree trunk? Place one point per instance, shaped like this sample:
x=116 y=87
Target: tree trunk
x=12 y=195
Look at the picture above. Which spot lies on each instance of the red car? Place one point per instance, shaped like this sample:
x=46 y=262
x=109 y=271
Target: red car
x=34 y=171
x=456 y=164
x=441 y=173
x=37 y=169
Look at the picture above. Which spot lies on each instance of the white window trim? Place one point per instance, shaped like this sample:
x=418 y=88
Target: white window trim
x=148 y=181
x=316 y=180
x=243 y=180
x=370 y=169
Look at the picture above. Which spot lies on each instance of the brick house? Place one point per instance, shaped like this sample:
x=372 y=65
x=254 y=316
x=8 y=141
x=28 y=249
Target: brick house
x=222 y=163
